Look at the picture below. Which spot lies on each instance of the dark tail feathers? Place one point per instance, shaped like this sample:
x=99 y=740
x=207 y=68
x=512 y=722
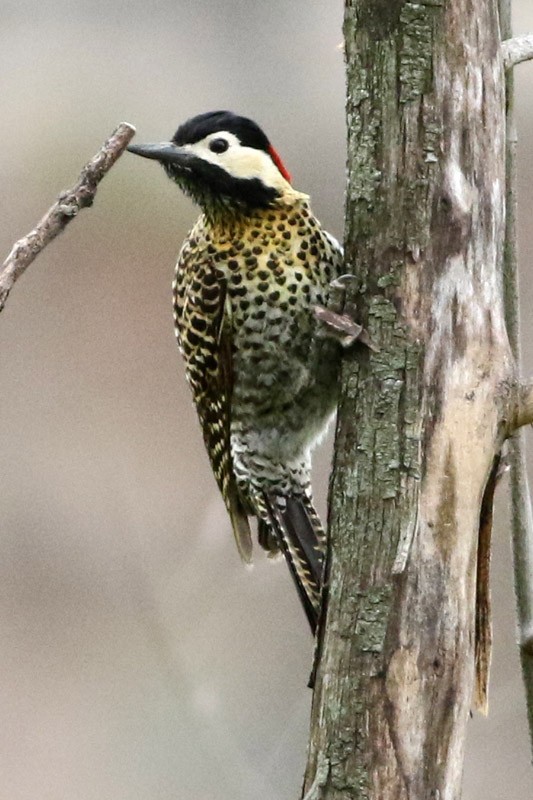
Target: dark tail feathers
x=302 y=540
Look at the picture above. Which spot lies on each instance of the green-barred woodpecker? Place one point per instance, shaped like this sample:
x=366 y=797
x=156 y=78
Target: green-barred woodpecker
x=264 y=381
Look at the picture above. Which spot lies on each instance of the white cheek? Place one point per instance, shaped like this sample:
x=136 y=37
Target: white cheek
x=245 y=162
x=241 y=162
x=248 y=163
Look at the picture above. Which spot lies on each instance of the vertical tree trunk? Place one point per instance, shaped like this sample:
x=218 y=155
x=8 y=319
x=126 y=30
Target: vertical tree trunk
x=422 y=420
x=521 y=516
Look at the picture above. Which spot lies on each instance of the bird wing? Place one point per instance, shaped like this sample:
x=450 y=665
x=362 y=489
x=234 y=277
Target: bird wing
x=203 y=328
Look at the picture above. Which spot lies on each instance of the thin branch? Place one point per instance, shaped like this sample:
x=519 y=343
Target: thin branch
x=64 y=209
x=523 y=558
x=521 y=514
x=516 y=50
x=524 y=406
x=321 y=777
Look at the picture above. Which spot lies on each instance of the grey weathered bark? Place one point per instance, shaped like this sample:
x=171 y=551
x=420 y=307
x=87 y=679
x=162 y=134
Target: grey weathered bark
x=518 y=48
x=422 y=421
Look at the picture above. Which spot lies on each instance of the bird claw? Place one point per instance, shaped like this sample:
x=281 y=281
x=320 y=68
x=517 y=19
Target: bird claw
x=338 y=326
x=337 y=294
x=338 y=319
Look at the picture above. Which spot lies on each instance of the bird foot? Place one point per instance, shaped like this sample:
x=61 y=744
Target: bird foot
x=338 y=326
x=337 y=295
x=337 y=320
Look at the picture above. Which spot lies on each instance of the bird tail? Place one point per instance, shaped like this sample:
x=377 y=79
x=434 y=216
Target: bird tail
x=302 y=540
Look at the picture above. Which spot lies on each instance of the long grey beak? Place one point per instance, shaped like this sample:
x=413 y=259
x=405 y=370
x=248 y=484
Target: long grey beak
x=163 y=151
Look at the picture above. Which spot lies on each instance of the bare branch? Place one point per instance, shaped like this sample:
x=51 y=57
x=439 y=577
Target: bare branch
x=521 y=513
x=516 y=50
x=522 y=530
x=524 y=407
x=321 y=776
x=64 y=209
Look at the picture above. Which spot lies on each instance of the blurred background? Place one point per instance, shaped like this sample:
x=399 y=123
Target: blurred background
x=138 y=659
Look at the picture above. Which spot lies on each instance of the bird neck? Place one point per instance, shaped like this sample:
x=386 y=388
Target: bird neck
x=231 y=218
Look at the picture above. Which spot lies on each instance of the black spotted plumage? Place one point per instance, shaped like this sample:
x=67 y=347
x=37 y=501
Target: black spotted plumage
x=264 y=381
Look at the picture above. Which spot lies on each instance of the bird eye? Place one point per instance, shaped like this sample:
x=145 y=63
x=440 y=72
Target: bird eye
x=218 y=145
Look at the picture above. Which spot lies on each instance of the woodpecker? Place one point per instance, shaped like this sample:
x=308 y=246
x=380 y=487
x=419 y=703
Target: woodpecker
x=248 y=280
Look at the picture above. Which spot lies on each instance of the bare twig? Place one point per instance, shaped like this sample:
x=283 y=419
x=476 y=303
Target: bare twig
x=524 y=406
x=64 y=209
x=516 y=50
x=322 y=772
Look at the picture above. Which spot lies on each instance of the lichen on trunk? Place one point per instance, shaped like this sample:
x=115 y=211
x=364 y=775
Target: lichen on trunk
x=422 y=419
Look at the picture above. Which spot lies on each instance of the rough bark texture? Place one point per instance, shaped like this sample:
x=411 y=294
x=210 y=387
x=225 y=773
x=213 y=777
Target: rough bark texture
x=422 y=421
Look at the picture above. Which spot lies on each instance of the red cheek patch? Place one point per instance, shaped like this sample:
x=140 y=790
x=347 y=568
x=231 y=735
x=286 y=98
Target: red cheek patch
x=279 y=163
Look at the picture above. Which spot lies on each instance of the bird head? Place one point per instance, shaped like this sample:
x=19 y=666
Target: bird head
x=224 y=162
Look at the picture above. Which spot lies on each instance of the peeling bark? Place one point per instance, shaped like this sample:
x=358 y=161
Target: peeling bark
x=421 y=421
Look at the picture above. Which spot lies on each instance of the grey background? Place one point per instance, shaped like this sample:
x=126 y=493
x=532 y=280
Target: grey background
x=138 y=659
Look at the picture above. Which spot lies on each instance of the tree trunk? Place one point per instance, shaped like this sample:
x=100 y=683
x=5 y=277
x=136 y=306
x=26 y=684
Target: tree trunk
x=422 y=420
